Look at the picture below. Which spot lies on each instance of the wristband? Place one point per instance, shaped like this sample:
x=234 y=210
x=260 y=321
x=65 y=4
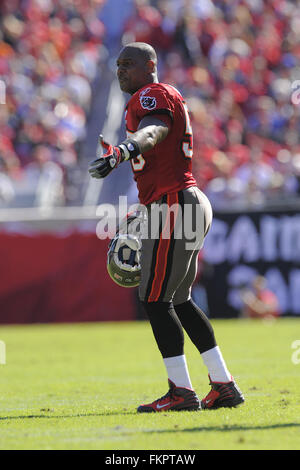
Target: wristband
x=130 y=149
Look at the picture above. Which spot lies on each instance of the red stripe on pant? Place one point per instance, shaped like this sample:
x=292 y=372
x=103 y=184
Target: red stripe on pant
x=163 y=249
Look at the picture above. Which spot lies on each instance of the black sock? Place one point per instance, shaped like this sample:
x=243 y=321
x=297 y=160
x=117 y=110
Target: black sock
x=166 y=328
x=197 y=325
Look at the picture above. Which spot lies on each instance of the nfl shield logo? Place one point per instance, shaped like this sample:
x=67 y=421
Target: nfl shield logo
x=147 y=102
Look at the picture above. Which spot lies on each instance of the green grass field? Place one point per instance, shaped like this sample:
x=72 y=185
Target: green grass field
x=78 y=386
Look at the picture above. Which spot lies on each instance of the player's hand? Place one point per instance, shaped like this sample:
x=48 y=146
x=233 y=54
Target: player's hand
x=102 y=166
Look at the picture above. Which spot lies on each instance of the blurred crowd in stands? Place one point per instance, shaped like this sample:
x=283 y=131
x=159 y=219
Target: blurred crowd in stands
x=234 y=61
x=49 y=54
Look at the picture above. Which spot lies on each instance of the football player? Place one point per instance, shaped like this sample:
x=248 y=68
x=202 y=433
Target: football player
x=159 y=146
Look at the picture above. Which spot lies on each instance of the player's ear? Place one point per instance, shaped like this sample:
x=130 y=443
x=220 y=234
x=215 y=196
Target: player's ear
x=150 y=66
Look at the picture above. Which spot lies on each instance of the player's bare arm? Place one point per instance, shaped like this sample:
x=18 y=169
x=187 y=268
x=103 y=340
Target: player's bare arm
x=151 y=132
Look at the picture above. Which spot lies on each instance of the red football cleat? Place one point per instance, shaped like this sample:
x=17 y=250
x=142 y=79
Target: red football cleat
x=222 y=395
x=177 y=399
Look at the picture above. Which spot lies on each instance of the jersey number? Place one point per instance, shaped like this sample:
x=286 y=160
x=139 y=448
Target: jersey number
x=187 y=141
x=138 y=162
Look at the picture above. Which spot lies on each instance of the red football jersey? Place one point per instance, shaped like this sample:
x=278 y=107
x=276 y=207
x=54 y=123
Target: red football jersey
x=167 y=168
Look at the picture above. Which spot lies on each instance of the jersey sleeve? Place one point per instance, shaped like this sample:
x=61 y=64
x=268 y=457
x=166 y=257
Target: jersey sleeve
x=154 y=101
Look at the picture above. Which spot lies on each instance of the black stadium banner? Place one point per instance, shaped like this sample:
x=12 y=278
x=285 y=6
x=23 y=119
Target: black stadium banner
x=241 y=245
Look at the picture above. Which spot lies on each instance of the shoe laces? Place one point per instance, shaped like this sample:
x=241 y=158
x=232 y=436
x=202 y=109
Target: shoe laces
x=169 y=395
x=164 y=397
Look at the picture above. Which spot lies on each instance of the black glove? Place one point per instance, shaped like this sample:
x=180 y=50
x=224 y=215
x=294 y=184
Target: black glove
x=102 y=166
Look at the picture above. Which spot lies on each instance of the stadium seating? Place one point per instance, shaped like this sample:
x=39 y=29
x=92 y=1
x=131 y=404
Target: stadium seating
x=235 y=67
